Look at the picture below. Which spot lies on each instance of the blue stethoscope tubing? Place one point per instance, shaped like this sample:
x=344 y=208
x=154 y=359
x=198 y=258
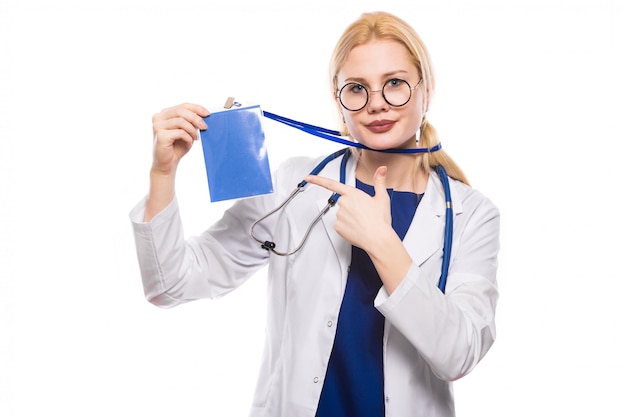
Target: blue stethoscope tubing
x=441 y=172
x=447 y=233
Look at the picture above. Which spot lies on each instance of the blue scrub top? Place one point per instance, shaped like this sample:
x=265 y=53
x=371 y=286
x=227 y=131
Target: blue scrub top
x=353 y=386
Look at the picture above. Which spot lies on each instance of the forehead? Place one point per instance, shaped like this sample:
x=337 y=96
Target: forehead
x=377 y=59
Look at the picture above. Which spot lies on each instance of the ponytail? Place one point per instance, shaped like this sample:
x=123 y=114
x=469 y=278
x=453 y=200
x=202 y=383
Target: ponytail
x=427 y=161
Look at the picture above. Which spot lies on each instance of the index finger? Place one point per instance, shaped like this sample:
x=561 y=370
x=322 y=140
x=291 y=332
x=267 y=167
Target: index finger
x=329 y=184
x=196 y=108
x=193 y=113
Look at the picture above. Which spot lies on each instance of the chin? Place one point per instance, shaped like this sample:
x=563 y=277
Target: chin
x=383 y=145
x=387 y=140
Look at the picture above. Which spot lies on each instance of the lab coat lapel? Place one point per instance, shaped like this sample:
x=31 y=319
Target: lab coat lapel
x=425 y=235
x=340 y=245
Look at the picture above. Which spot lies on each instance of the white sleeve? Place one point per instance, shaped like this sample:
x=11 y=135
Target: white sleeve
x=175 y=270
x=452 y=332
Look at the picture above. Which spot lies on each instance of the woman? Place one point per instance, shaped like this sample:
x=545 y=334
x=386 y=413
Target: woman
x=356 y=324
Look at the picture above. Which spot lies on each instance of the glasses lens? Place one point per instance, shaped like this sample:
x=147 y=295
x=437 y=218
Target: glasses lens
x=353 y=96
x=397 y=92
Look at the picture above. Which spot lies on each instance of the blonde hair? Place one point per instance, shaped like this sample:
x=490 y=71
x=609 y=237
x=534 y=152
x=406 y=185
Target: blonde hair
x=385 y=26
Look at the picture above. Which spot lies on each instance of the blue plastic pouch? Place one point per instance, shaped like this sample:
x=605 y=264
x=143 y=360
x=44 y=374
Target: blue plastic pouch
x=235 y=154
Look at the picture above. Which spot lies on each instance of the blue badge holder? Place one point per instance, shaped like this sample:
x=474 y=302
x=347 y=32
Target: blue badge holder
x=235 y=154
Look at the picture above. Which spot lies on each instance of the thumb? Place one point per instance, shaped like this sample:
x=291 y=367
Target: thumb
x=380 y=181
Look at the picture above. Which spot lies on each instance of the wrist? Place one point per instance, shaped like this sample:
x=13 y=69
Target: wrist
x=163 y=169
x=162 y=180
x=386 y=242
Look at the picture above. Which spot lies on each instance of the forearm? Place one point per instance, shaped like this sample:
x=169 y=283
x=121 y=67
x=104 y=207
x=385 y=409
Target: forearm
x=391 y=260
x=160 y=194
x=175 y=270
x=452 y=332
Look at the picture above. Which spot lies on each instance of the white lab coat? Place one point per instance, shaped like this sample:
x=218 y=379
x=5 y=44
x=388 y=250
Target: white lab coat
x=430 y=339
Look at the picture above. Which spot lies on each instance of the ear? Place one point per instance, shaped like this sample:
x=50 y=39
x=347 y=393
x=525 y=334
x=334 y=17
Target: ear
x=427 y=96
x=343 y=128
x=425 y=101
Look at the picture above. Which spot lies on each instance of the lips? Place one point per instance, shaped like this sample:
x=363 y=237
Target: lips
x=380 y=126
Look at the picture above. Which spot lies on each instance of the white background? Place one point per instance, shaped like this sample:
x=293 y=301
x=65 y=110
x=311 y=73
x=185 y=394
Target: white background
x=530 y=102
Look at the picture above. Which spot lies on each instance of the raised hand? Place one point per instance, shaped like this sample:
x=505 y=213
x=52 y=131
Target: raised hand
x=175 y=129
x=361 y=219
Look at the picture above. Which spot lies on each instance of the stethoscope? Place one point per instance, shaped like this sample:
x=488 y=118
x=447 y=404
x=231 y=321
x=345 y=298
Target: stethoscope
x=345 y=154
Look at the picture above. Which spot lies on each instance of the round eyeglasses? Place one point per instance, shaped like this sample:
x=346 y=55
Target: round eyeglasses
x=396 y=92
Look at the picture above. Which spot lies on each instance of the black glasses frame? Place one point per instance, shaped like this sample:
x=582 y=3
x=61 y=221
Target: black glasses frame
x=382 y=91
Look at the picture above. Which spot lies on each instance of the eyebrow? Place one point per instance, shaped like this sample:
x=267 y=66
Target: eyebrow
x=387 y=75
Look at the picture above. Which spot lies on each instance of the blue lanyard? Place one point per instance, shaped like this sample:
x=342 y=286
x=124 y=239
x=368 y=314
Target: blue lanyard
x=335 y=136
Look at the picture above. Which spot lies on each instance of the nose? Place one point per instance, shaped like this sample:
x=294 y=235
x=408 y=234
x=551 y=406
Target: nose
x=376 y=101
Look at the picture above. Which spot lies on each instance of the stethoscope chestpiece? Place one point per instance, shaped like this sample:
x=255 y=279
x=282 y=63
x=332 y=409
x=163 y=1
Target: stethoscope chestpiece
x=267 y=245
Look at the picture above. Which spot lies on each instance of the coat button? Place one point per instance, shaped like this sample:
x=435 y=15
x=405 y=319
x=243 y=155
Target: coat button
x=316 y=380
x=330 y=323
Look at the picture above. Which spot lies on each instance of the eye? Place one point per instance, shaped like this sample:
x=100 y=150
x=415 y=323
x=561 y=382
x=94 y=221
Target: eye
x=395 y=83
x=356 y=88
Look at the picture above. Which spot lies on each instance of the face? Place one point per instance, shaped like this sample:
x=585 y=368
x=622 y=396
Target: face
x=379 y=125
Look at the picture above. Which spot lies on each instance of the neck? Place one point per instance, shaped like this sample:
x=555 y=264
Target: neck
x=403 y=173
